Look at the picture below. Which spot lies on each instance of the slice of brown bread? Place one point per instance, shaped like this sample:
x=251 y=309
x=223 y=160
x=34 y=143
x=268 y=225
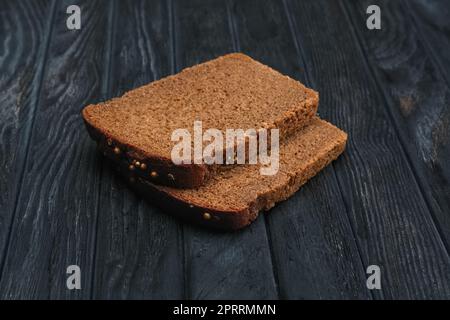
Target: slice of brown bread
x=230 y=92
x=232 y=199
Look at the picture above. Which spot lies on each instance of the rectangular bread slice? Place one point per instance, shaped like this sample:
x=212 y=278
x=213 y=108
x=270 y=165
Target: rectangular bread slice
x=232 y=199
x=230 y=92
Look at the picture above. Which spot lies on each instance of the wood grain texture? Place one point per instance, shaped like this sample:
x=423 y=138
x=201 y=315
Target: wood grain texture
x=433 y=26
x=392 y=222
x=385 y=201
x=54 y=225
x=417 y=98
x=23 y=44
x=315 y=255
x=139 y=249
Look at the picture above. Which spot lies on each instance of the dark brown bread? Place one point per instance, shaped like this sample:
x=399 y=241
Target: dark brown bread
x=230 y=92
x=232 y=199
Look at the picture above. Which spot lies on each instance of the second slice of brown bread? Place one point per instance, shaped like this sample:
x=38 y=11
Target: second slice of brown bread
x=230 y=92
x=232 y=199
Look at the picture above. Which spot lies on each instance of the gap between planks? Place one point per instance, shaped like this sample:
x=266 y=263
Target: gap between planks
x=106 y=92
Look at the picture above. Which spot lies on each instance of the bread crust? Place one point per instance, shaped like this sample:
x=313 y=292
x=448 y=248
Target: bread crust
x=211 y=216
x=167 y=173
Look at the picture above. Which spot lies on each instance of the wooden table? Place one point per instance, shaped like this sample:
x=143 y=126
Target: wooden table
x=385 y=201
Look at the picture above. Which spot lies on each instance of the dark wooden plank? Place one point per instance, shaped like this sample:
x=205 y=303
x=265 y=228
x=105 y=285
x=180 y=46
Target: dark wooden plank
x=433 y=26
x=316 y=256
x=417 y=98
x=428 y=117
x=139 y=249
x=219 y=265
x=23 y=45
x=54 y=225
x=392 y=222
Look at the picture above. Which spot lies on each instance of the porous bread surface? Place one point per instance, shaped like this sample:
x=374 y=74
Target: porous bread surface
x=243 y=188
x=230 y=92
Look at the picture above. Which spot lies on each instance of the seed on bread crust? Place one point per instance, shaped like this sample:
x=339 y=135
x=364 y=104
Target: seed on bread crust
x=154 y=174
x=207 y=216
